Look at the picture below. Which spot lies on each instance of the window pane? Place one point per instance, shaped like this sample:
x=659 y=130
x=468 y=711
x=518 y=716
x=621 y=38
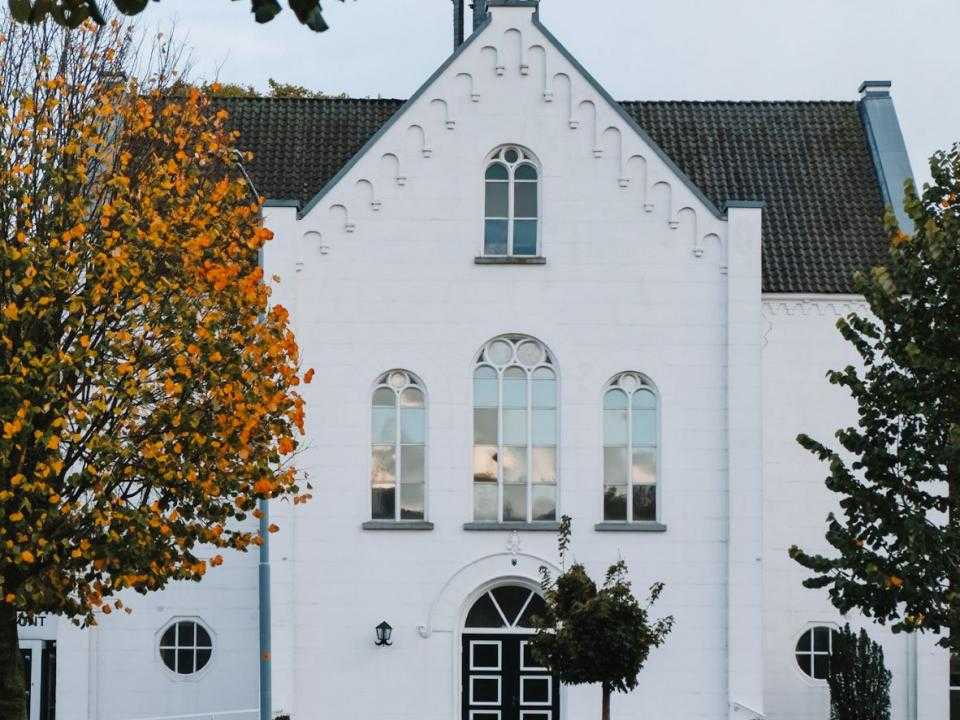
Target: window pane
x=485 y=464
x=384 y=503
x=536 y=607
x=186 y=636
x=483 y=614
x=615 y=466
x=544 y=502
x=535 y=689
x=644 y=502
x=514 y=388
x=495 y=237
x=804 y=643
x=169 y=658
x=203 y=657
x=644 y=400
x=185 y=662
x=203 y=637
x=385 y=397
x=615 y=503
x=485 y=501
x=514 y=502
x=524 y=237
x=485 y=387
x=411 y=397
x=615 y=428
x=544 y=465
x=515 y=427
x=804 y=662
x=411 y=501
x=511 y=599
x=544 y=427
x=514 y=465
x=615 y=400
x=496 y=171
x=644 y=470
x=525 y=200
x=525 y=172
x=485 y=426
x=544 y=393
x=644 y=427
x=485 y=690
x=497 y=200
x=511 y=155
x=821 y=664
x=384 y=427
x=530 y=353
x=485 y=655
x=411 y=464
x=169 y=638
x=384 y=470
x=821 y=639
x=413 y=425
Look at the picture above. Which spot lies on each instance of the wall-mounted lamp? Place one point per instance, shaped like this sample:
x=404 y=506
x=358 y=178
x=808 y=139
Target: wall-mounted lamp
x=384 y=631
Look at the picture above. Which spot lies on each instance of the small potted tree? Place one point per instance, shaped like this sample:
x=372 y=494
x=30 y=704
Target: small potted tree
x=593 y=633
x=858 y=679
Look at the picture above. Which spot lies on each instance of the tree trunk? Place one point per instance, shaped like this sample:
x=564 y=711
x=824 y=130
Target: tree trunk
x=605 y=713
x=13 y=691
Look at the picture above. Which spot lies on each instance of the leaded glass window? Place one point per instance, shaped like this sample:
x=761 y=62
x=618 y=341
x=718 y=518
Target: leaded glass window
x=511 y=203
x=630 y=449
x=399 y=447
x=515 y=430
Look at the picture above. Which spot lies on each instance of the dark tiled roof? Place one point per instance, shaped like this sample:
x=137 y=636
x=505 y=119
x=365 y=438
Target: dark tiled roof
x=809 y=161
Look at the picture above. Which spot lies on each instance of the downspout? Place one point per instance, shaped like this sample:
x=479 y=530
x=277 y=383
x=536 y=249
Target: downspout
x=263 y=569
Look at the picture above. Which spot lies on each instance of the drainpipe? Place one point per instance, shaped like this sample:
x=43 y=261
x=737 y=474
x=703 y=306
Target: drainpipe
x=263 y=569
x=912 y=672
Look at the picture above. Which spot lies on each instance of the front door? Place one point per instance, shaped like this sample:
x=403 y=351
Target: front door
x=32 y=653
x=500 y=680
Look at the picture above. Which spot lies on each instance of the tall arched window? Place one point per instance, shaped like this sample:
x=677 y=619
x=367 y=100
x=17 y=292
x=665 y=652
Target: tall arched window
x=630 y=445
x=514 y=432
x=512 y=203
x=399 y=447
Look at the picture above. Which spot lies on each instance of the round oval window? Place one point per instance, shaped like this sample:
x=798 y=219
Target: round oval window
x=813 y=652
x=186 y=647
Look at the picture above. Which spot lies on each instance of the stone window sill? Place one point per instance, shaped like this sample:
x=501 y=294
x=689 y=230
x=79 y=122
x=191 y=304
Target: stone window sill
x=512 y=260
x=397 y=525
x=643 y=526
x=523 y=526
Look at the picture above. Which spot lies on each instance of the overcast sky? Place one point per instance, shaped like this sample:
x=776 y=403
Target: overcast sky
x=639 y=49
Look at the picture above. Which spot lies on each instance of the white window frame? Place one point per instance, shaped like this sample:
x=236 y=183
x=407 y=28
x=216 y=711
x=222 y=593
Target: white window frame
x=550 y=363
x=413 y=381
x=480 y=713
x=523 y=647
x=795 y=654
x=499 y=679
x=159 y=647
x=496 y=643
x=523 y=699
x=647 y=384
x=526 y=158
x=537 y=713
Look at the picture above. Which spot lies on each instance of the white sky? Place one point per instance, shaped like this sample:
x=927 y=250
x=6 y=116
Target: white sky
x=639 y=49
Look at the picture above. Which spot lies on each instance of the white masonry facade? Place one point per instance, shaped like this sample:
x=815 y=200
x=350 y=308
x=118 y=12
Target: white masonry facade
x=517 y=308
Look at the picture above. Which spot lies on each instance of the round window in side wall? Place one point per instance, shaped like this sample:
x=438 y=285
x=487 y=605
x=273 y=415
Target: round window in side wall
x=813 y=651
x=186 y=646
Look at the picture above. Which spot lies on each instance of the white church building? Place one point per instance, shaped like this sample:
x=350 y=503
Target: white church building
x=524 y=299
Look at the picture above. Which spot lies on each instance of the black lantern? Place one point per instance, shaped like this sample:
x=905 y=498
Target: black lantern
x=384 y=631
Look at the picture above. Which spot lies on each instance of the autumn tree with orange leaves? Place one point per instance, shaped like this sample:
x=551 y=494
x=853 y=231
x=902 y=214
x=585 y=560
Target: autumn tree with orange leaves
x=147 y=385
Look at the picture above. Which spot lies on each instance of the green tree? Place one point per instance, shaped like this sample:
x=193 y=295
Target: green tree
x=858 y=679
x=595 y=634
x=148 y=387
x=72 y=13
x=896 y=548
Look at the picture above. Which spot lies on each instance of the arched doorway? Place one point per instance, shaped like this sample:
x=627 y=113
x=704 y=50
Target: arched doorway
x=500 y=678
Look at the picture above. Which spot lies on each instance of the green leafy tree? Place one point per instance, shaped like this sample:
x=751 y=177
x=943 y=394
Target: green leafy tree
x=73 y=13
x=595 y=634
x=896 y=548
x=858 y=679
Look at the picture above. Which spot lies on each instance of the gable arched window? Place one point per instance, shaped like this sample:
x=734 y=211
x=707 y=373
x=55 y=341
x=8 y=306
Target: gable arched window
x=512 y=203
x=631 y=429
x=398 y=447
x=515 y=432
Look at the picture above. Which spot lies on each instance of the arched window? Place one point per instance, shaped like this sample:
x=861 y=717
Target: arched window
x=506 y=607
x=814 y=649
x=512 y=203
x=514 y=432
x=630 y=449
x=399 y=447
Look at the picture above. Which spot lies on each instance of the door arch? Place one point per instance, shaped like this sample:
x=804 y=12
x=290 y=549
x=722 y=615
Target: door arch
x=500 y=680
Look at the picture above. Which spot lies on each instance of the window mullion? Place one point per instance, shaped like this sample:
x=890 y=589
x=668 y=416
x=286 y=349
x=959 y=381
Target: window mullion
x=529 y=446
x=510 y=210
x=399 y=460
x=629 y=457
x=499 y=446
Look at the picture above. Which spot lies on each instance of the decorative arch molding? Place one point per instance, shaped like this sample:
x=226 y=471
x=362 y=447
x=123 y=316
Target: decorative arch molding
x=449 y=608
